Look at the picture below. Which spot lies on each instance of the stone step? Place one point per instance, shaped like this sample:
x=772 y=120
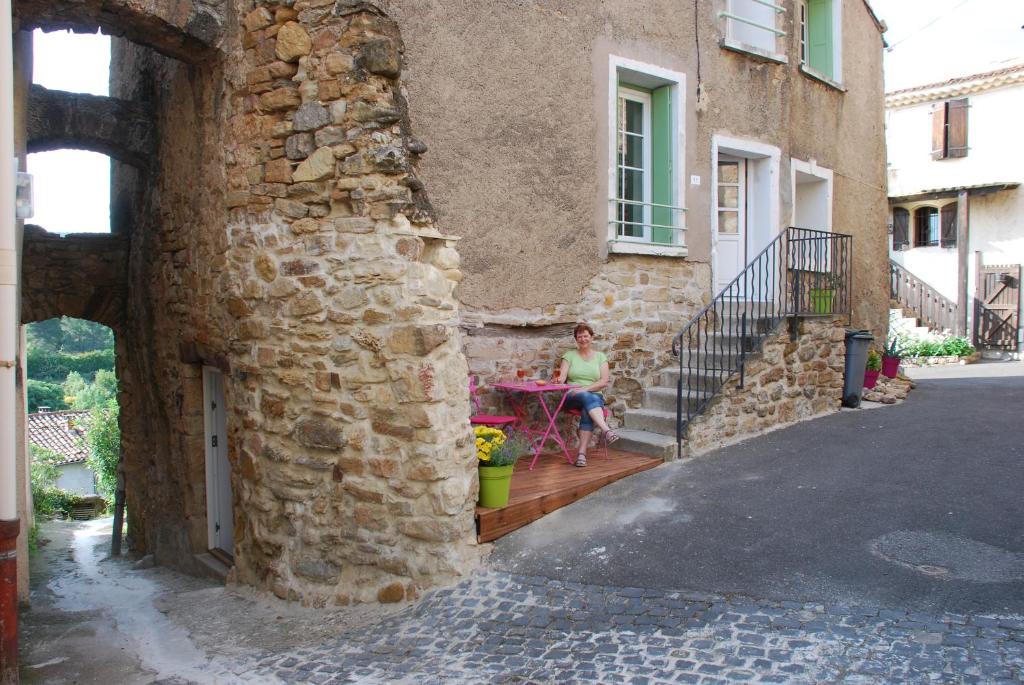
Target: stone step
x=644 y=442
x=698 y=378
x=664 y=398
x=651 y=420
x=212 y=566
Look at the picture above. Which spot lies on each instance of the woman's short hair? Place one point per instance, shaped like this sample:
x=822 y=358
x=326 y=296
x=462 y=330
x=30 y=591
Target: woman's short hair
x=580 y=328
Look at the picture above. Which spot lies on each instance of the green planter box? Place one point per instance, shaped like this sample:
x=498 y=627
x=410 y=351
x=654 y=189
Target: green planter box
x=822 y=299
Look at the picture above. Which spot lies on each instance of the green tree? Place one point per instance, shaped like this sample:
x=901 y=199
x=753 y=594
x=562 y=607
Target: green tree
x=44 y=394
x=103 y=436
x=80 y=335
x=80 y=394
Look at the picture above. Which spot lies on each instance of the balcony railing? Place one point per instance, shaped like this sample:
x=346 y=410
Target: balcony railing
x=648 y=222
x=928 y=305
x=801 y=273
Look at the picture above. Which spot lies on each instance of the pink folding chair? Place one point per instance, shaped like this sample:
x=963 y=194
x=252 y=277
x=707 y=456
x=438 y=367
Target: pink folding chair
x=604 y=436
x=478 y=419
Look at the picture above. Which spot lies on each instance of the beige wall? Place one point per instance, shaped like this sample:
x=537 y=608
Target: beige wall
x=511 y=99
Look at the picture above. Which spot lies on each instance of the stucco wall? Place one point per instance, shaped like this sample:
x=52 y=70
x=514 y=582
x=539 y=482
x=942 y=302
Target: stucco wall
x=511 y=100
x=993 y=137
x=76 y=478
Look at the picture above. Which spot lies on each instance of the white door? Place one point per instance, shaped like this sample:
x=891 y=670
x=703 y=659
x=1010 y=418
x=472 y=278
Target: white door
x=731 y=240
x=219 y=517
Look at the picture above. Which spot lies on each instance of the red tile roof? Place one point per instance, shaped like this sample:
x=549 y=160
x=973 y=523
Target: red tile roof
x=62 y=432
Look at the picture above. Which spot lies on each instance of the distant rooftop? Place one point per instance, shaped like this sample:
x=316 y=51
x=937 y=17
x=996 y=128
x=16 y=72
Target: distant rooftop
x=62 y=432
x=959 y=85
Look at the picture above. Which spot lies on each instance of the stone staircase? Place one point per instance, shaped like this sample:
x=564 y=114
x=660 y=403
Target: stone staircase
x=651 y=429
x=906 y=323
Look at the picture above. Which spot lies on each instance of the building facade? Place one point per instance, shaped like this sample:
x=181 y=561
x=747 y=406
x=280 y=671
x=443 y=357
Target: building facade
x=954 y=184
x=331 y=212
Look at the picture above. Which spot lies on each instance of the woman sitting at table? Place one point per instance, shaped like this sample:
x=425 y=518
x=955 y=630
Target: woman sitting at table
x=587 y=368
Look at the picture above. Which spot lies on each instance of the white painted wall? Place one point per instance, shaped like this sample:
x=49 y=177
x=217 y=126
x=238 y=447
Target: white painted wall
x=996 y=150
x=994 y=138
x=76 y=478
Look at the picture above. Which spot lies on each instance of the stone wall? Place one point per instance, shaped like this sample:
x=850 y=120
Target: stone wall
x=82 y=276
x=285 y=239
x=788 y=381
x=635 y=305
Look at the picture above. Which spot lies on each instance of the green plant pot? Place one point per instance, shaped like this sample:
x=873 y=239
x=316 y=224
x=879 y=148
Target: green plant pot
x=821 y=300
x=495 y=483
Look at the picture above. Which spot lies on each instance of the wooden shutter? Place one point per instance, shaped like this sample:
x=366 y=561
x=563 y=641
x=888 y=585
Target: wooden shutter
x=900 y=228
x=947 y=224
x=819 y=36
x=956 y=128
x=939 y=132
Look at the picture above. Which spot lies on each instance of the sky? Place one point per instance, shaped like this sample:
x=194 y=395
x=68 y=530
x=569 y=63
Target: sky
x=71 y=188
x=930 y=40
x=934 y=40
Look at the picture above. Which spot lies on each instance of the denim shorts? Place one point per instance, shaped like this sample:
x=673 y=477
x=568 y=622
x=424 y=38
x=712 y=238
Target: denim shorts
x=584 y=401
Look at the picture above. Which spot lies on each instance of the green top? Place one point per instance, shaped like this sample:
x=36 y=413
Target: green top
x=582 y=371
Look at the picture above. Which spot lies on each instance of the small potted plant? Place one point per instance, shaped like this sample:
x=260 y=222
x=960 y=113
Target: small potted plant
x=891 y=357
x=497 y=454
x=874 y=367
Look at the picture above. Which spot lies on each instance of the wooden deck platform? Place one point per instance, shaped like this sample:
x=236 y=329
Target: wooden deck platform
x=553 y=484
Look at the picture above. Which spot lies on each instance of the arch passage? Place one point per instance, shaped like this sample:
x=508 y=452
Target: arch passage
x=187 y=31
x=82 y=276
x=118 y=128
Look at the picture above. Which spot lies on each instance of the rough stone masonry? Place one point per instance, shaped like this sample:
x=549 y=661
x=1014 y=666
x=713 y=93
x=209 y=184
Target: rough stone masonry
x=349 y=422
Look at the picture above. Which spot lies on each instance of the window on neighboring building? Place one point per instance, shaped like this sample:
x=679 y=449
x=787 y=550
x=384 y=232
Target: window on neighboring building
x=949 y=129
x=900 y=229
x=926 y=226
x=646 y=160
x=820 y=36
x=754 y=24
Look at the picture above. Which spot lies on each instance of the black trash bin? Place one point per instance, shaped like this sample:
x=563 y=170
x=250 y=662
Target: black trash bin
x=857 y=345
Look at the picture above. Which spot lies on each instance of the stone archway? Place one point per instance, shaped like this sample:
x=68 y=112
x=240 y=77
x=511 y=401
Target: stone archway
x=280 y=233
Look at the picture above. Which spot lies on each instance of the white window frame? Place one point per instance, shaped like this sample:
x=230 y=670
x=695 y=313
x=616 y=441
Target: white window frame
x=735 y=19
x=627 y=93
x=811 y=168
x=634 y=72
x=836 y=79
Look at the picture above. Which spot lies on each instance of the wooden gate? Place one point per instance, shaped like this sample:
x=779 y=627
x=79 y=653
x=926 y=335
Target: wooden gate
x=997 y=307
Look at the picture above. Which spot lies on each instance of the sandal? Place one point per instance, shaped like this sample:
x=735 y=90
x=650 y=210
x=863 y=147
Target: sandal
x=610 y=437
x=581 y=460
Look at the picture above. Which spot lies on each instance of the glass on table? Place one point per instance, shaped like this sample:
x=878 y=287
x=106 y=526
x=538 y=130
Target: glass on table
x=520 y=376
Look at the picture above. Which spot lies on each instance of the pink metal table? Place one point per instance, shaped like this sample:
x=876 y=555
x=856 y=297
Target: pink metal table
x=519 y=394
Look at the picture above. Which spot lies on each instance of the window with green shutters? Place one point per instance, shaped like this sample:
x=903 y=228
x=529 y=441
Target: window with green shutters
x=646 y=106
x=644 y=174
x=819 y=36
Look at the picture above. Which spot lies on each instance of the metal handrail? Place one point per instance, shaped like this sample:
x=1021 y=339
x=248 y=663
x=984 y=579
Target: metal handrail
x=751 y=22
x=800 y=273
x=931 y=307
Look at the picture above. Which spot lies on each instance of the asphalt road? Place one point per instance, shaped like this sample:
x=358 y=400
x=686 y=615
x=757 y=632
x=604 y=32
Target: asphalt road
x=918 y=505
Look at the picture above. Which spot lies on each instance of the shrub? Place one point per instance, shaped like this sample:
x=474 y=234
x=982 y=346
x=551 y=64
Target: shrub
x=874 y=360
x=103 y=436
x=952 y=346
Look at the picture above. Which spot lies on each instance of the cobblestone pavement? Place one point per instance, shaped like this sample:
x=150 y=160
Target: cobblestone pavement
x=513 y=629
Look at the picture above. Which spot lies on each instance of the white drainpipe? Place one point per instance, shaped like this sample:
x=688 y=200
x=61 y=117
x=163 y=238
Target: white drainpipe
x=8 y=272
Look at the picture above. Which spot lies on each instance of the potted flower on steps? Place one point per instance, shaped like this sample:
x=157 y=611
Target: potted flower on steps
x=891 y=357
x=874 y=367
x=497 y=454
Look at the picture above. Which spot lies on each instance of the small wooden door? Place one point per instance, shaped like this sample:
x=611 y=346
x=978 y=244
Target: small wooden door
x=997 y=307
x=219 y=512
